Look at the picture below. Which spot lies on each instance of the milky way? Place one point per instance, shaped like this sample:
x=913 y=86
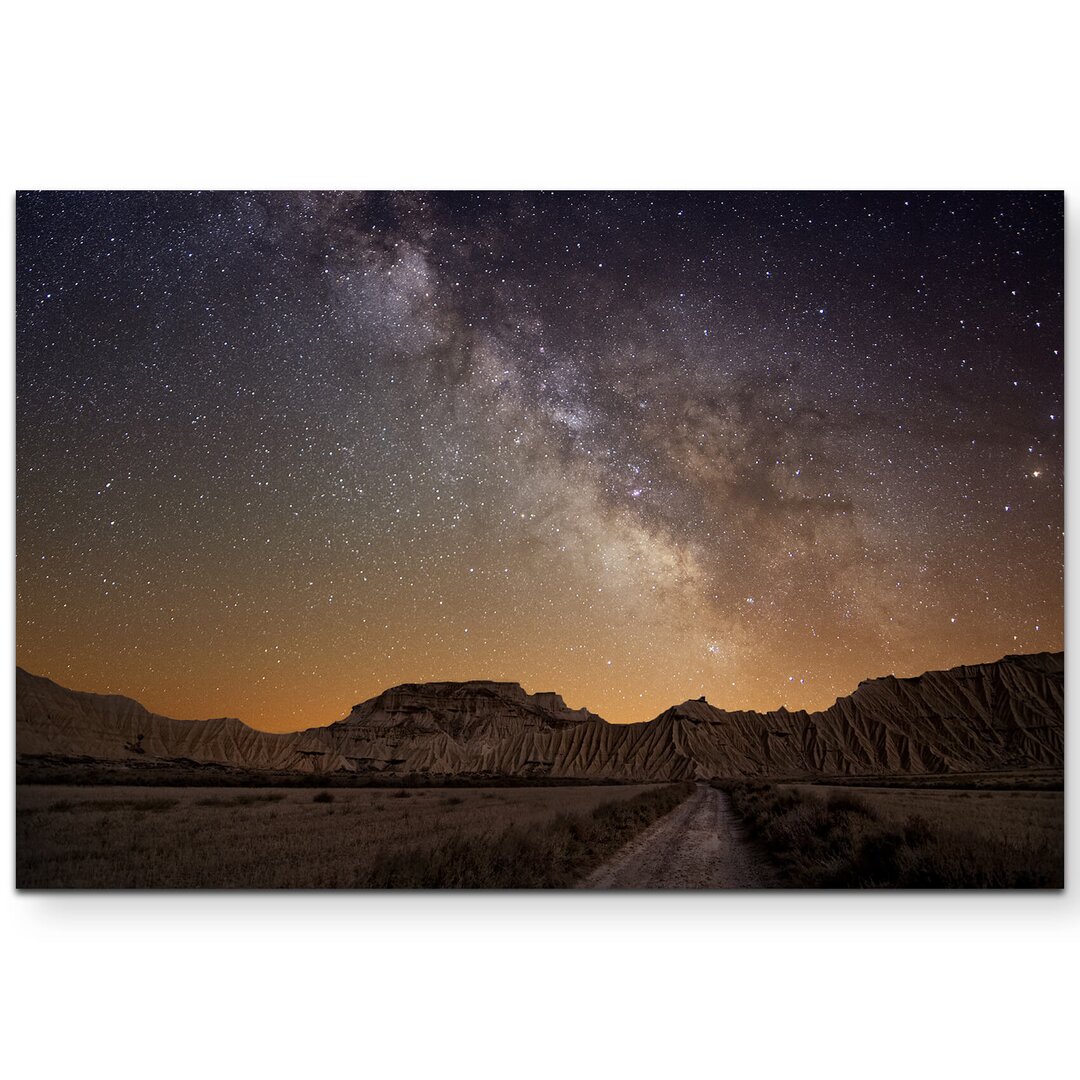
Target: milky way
x=277 y=452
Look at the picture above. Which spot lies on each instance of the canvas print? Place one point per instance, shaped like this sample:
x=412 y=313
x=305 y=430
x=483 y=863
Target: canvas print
x=594 y=540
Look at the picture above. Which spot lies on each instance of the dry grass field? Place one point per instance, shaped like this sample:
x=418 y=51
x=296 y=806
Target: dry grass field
x=840 y=836
x=162 y=837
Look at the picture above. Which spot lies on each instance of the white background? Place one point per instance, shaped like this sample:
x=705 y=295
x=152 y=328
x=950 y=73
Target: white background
x=778 y=95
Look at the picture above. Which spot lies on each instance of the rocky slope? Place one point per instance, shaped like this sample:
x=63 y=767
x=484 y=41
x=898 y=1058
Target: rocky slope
x=52 y=720
x=979 y=718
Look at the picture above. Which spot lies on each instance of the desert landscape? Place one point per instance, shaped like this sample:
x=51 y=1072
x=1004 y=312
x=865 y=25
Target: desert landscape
x=608 y=540
x=953 y=779
x=163 y=837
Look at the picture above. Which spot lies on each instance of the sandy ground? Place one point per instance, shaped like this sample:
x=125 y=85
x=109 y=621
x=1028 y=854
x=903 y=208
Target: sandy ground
x=697 y=846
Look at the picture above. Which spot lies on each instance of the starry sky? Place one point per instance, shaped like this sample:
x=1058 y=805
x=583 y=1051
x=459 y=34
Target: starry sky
x=277 y=452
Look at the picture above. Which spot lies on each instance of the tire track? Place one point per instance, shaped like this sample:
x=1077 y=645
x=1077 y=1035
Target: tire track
x=697 y=846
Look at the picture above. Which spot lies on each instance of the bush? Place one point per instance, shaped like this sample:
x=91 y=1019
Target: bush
x=240 y=800
x=324 y=797
x=839 y=842
x=555 y=854
x=917 y=831
x=840 y=802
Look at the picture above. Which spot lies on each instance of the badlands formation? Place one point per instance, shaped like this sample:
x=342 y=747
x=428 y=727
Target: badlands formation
x=1006 y=715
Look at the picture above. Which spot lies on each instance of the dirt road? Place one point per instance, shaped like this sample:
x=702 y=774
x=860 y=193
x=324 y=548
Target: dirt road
x=697 y=846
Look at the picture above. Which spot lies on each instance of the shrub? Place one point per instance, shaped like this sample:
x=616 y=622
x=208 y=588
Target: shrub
x=839 y=841
x=845 y=802
x=240 y=800
x=554 y=854
x=917 y=831
x=324 y=797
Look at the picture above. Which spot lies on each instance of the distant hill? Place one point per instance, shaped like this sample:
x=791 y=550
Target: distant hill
x=1001 y=716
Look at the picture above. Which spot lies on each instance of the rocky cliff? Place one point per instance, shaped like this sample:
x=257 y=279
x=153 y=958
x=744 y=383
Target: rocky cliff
x=1006 y=715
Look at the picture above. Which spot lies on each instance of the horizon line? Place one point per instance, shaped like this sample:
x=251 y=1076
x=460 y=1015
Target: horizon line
x=511 y=682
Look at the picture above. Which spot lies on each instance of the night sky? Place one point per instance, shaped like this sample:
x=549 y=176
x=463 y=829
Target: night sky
x=278 y=452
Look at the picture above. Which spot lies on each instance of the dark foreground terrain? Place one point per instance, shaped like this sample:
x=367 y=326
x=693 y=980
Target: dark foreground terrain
x=992 y=833
x=189 y=837
x=907 y=835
